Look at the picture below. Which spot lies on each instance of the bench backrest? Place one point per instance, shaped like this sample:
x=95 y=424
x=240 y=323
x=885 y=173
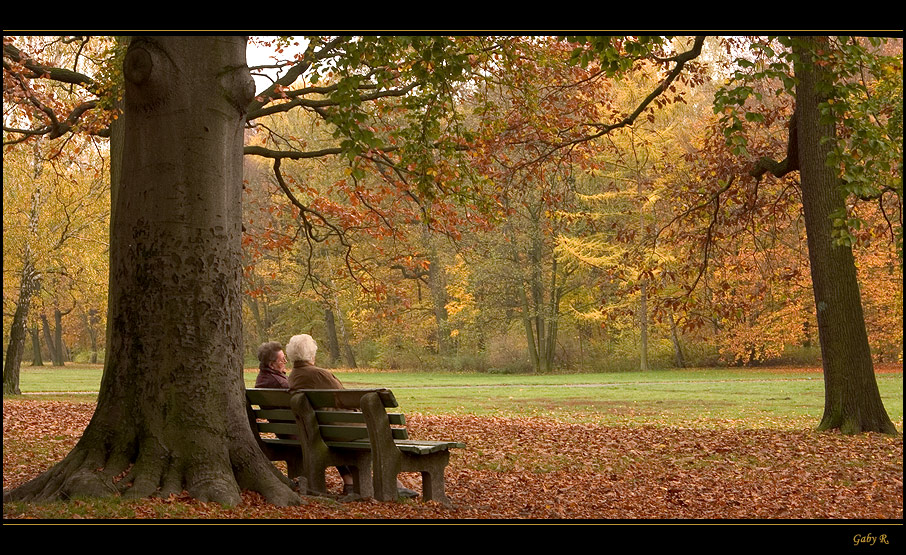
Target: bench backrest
x=336 y=422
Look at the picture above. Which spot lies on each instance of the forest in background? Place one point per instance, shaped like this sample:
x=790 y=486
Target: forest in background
x=645 y=248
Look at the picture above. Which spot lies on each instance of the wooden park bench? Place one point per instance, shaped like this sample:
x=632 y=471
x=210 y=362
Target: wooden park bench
x=321 y=428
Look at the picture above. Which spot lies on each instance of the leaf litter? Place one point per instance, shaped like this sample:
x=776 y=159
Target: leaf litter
x=542 y=468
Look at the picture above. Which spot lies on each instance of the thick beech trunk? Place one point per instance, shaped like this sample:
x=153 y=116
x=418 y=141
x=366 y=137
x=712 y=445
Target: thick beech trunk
x=852 y=401
x=171 y=410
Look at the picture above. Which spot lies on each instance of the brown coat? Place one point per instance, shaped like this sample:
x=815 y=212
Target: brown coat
x=308 y=376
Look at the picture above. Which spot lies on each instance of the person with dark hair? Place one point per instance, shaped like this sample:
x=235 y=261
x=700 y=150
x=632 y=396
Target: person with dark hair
x=271 y=366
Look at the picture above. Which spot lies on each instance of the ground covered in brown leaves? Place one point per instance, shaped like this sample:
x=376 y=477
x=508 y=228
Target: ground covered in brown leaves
x=534 y=468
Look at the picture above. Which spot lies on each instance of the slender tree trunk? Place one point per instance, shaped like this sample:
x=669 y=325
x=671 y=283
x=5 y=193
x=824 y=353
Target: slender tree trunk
x=342 y=334
x=677 y=347
x=333 y=343
x=643 y=326
x=437 y=285
x=643 y=286
x=262 y=322
x=90 y=319
x=852 y=401
x=532 y=343
x=18 y=331
x=553 y=318
x=37 y=359
x=348 y=354
x=29 y=286
x=62 y=353
x=54 y=337
x=171 y=410
x=537 y=289
x=55 y=358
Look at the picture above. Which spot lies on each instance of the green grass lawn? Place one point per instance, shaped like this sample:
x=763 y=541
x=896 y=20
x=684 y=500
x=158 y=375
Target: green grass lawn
x=700 y=398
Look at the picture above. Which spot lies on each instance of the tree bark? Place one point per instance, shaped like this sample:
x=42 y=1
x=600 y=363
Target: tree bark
x=56 y=358
x=18 y=331
x=643 y=326
x=330 y=329
x=62 y=352
x=171 y=409
x=437 y=284
x=37 y=358
x=677 y=346
x=852 y=401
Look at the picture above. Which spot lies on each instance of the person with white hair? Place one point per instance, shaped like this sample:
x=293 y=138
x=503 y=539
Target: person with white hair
x=300 y=352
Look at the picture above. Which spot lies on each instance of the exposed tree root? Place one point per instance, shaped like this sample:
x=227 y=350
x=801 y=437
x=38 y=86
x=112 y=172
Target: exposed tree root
x=93 y=472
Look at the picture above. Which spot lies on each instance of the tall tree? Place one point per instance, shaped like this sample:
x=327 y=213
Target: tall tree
x=29 y=284
x=852 y=400
x=170 y=411
x=70 y=197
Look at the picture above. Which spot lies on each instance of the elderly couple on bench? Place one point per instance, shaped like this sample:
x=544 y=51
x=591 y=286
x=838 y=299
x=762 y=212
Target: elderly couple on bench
x=300 y=351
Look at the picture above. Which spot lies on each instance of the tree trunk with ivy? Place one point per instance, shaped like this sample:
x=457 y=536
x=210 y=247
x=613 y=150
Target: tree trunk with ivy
x=171 y=410
x=852 y=400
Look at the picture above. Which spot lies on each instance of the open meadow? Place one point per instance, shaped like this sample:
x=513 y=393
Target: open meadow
x=677 y=444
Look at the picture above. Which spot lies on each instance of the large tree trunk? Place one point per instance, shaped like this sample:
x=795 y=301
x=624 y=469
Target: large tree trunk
x=852 y=401
x=171 y=409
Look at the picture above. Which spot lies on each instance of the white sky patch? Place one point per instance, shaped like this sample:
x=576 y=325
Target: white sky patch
x=260 y=55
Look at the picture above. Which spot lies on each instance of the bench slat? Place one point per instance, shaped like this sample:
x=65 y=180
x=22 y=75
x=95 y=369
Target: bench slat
x=264 y=397
x=285 y=415
x=346 y=398
x=327 y=417
x=425 y=447
x=319 y=398
x=281 y=441
x=345 y=433
x=360 y=444
x=278 y=427
x=337 y=416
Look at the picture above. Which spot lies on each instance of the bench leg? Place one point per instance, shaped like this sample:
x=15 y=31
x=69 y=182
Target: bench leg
x=361 y=476
x=432 y=470
x=384 y=472
x=387 y=461
x=385 y=457
x=316 y=482
x=294 y=466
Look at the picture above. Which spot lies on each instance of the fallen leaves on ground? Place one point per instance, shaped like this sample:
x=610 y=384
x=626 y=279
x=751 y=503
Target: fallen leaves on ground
x=539 y=468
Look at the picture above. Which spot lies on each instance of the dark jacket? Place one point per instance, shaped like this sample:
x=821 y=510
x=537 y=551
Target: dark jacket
x=270 y=378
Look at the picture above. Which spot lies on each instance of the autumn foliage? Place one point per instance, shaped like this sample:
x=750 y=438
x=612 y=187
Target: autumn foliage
x=542 y=469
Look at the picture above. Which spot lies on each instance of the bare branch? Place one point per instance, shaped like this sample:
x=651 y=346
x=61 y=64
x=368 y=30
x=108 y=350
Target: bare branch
x=310 y=235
